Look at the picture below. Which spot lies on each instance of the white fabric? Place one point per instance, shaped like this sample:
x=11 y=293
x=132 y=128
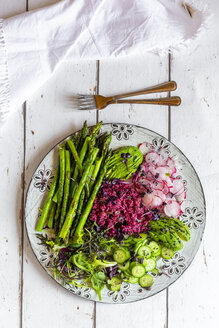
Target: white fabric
x=33 y=44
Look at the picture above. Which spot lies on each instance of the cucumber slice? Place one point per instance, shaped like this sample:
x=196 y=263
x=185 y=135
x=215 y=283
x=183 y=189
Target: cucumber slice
x=155 y=247
x=144 y=251
x=146 y=281
x=132 y=280
x=120 y=255
x=167 y=253
x=138 y=245
x=150 y=264
x=137 y=270
x=124 y=266
x=114 y=284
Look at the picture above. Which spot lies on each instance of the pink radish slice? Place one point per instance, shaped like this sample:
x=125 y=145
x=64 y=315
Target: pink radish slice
x=143 y=181
x=145 y=147
x=157 y=185
x=152 y=158
x=162 y=173
x=163 y=157
x=157 y=200
x=147 y=199
x=171 y=165
x=166 y=189
x=178 y=187
x=160 y=194
x=172 y=209
x=149 y=175
x=180 y=198
x=169 y=183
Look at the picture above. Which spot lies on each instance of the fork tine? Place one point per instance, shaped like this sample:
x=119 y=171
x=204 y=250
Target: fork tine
x=84 y=102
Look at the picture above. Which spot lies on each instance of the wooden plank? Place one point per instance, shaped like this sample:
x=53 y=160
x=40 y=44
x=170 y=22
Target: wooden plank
x=122 y=75
x=35 y=4
x=49 y=119
x=11 y=8
x=193 y=299
x=11 y=197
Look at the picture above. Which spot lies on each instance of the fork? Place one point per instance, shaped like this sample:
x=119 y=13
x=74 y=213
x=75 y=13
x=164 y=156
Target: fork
x=89 y=102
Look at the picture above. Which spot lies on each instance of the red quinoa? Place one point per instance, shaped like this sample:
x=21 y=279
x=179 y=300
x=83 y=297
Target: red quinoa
x=119 y=210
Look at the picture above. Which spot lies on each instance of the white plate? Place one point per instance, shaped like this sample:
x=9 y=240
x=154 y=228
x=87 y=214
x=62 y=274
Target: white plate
x=193 y=215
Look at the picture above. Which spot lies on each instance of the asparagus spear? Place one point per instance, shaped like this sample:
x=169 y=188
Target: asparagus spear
x=95 y=129
x=48 y=202
x=75 y=155
x=66 y=187
x=106 y=142
x=61 y=184
x=95 y=171
x=81 y=137
x=55 y=198
x=71 y=213
x=79 y=211
x=51 y=215
x=78 y=235
x=75 y=175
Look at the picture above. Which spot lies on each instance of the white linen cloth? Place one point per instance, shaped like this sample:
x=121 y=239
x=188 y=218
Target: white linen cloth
x=33 y=44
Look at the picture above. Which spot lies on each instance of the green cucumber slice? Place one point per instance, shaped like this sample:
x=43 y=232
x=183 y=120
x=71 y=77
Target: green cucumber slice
x=146 y=281
x=114 y=284
x=155 y=247
x=120 y=255
x=132 y=280
x=144 y=251
x=167 y=253
x=150 y=264
x=137 y=270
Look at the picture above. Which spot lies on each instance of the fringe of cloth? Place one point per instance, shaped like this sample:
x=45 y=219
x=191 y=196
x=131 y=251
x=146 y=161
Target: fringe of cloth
x=4 y=78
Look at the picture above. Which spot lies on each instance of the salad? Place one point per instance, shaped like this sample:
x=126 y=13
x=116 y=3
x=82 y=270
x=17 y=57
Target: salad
x=112 y=214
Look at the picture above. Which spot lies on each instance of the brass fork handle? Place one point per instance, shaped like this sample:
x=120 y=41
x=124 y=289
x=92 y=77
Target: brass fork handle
x=163 y=87
x=168 y=101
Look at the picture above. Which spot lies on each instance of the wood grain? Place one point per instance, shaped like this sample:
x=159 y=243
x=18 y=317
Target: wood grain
x=11 y=200
x=195 y=129
x=115 y=77
x=49 y=119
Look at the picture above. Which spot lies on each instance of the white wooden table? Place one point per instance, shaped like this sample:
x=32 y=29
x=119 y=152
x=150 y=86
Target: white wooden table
x=28 y=297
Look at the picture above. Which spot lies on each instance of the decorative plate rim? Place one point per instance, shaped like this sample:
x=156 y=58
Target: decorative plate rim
x=204 y=212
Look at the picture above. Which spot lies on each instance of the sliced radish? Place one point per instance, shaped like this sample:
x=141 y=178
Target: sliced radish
x=156 y=185
x=178 y=187
x=157 y=200
x=180 y=198
x=145 y=147
x=152 y=158
x=172 y=209
x=169 y=183
x=147 y=199
x=149 y=175
x=160 y=194
x=163 y=156
x=166 y=189
x=162 y=173
x=171 y=164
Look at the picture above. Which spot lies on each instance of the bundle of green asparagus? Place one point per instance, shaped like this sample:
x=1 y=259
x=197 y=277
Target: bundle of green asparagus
x=82 y=165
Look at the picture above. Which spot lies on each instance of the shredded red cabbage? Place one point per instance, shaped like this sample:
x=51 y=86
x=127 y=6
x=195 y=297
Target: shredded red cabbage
x=118 y=209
